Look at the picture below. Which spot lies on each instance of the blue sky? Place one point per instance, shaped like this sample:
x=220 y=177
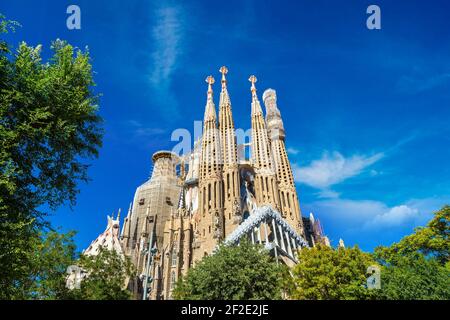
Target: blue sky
x=366 y=111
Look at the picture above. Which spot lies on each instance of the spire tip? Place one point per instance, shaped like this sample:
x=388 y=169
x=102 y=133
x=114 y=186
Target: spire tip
x=210 y=80
x=253 y=80
x=223 y=70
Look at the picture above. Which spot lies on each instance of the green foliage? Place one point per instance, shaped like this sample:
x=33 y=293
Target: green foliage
x=44 y=276
x=108 y=273
x=244 y=272
x=417 y=267
x=432 y=240
x=325 y=273
x=411 y=276
x=52 y=254
x=48 y=125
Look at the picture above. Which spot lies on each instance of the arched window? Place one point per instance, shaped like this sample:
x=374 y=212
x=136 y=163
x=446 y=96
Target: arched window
x=174 y=257
x=172 y=279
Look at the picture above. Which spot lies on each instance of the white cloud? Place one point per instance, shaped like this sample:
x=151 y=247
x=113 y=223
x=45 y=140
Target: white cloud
x=139 y=130
x=354 y=216
x=327 y=193
x=167 y=38
x=332 y=169
x=293 y=151
x=393 y=217
x=370 y=223
x=168 y=42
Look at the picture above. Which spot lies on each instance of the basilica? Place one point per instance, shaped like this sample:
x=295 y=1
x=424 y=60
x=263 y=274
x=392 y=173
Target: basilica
x=214 y=196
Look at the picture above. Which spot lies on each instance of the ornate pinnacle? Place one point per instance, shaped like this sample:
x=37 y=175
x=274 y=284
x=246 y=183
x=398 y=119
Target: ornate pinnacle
x=210 y=81
x=253 y=80
x=223 y=70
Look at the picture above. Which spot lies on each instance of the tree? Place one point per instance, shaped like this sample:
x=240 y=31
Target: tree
x=51 y=254
x=325 y=273
x=417 y=267
x=107 y=275
x=49 y=125
x=433 y=240
x=411 y=276
x=244 y=272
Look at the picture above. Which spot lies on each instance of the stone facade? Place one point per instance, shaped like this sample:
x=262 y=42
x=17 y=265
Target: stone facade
x=195 y=201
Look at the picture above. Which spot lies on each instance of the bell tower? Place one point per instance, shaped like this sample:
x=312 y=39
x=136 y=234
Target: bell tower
x=231 y=184
x=209 y=229
x=266 y=187
x=288 y=195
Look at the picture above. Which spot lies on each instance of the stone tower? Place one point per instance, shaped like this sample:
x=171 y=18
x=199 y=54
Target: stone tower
x=215 y=197
x=209 y=229
x=290 y=208
x=266 y=187
x=154 y=202
x=177 y=249
x=231 y=180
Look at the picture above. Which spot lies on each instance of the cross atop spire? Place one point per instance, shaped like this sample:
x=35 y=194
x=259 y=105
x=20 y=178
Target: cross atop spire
x=210 y=112
x=253 y=80
x=223 y=70
x=210 y=80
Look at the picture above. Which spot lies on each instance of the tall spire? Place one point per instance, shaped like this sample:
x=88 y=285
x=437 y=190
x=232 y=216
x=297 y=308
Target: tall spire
x=265 y=178
x=256 y=106
x=210 y=109
x=210 y=181
x=288 y=194
x=125 y=234
x=260 y=142
x=231 y=179
x=224 y=96
x=211 y=150
x=226 y=124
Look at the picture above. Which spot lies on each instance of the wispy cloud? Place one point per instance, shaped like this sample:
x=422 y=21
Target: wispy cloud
x=168 y=39
x=332 y=168
x=293 y=151
x=380 y=223
x=392 y=217
x=369 y=215
x=139 y=130
x=417 y=84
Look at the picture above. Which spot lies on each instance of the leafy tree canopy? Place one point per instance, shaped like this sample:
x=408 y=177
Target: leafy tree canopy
x=107 y=275
x=244 y=272
x=417 y=267
x=325 y=273
x=433 y=240
x=411 y=276
x=48 y=125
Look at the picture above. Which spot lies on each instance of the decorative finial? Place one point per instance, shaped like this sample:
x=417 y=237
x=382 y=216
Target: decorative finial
x=253 y=80
x=223 y=70
x=118 y=214
x=210 y=81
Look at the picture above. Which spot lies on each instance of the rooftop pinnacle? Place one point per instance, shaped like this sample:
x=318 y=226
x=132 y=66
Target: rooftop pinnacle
x=210 y=80
x=253 y=80
x=210 y=112
x=224 y=70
